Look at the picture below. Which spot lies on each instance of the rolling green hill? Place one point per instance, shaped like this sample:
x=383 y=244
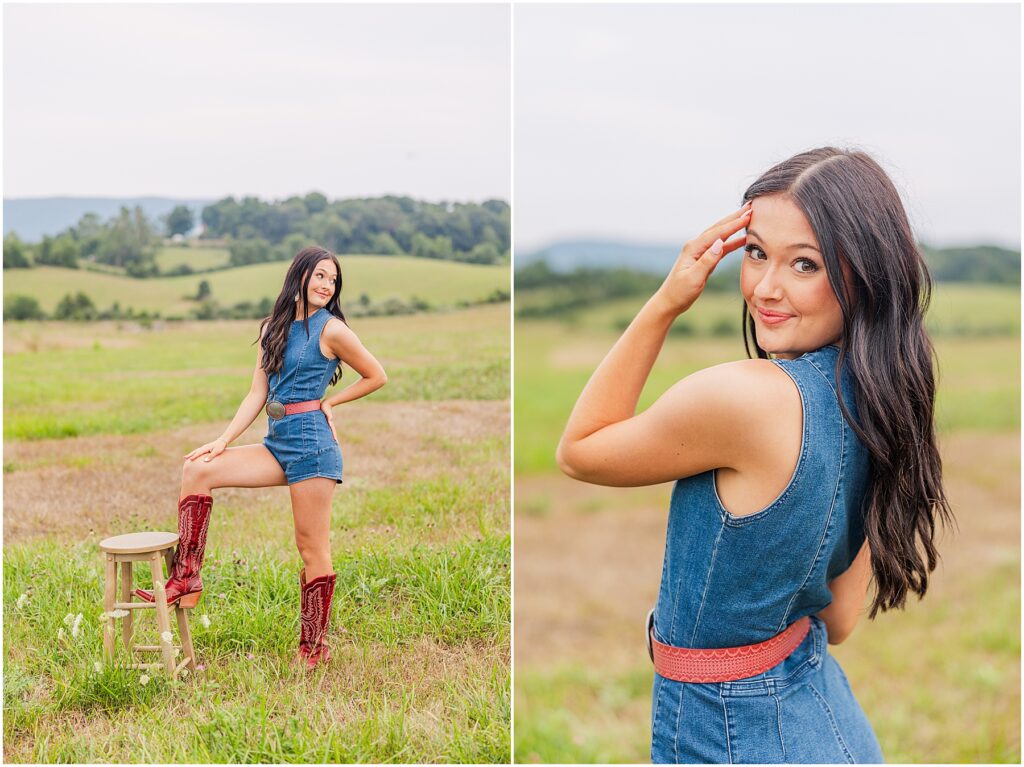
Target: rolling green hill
x=197 y=258
x=442 y=283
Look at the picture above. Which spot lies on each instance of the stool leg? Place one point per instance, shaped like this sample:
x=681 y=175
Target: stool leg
x=108 y=606
x=186 y=636
x=163 y=621
x=126 y=596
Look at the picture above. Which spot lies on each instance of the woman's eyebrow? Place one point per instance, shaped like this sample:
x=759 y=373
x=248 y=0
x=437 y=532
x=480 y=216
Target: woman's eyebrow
x=793 y=246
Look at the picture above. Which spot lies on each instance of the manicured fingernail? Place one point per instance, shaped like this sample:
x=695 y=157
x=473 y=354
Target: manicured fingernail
x=747 y=213
x=717 y=247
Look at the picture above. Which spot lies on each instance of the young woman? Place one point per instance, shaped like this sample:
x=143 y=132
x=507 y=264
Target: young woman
x=800 y=473
x=301 y=347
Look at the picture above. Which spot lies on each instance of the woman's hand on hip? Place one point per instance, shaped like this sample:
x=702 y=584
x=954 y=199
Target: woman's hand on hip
x=329 y=412
x=214 y=449
x=698 y=259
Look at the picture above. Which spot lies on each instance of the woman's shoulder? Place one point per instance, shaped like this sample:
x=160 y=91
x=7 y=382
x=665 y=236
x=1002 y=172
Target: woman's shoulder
x=742 y=380
x=740 y=394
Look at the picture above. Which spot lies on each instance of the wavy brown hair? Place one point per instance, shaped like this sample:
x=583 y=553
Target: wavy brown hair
x=279 y=323
x=859 y=220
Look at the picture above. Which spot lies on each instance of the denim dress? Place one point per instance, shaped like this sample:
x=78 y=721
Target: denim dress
x=303 y=442
x=736 y=580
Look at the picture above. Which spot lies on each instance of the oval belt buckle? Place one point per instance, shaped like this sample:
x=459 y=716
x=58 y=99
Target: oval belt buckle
x=275 y=410
x=649 y=625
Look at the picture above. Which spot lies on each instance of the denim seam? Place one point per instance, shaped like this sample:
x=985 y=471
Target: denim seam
x=832 y=722
x=728 y=739
x=659 y=681
x=679 y=717
x=778 y=719
x=734 y=521
x=707 y=585
x=321 y=335
x=825 y=531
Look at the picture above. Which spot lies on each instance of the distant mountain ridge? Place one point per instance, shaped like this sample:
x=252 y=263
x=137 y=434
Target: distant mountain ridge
x=33 y=217
x=981 y=263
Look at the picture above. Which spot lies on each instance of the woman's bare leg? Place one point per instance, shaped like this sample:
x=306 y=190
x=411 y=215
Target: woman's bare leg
x=242 y=466
x=311 y=508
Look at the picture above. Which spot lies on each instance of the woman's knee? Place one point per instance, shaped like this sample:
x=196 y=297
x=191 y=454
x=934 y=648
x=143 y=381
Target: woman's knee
x=195 y=472
x=312 y=549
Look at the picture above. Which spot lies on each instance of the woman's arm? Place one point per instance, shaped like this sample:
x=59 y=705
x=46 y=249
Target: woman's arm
x=347 y=347
x=251 y=406
x=848 y=592
x=695 y=425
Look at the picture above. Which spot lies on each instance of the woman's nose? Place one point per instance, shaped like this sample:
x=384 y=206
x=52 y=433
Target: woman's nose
x=768 y=286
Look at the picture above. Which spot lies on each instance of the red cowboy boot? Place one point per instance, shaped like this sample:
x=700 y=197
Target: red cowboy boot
x=315 y=615
x=185 y=583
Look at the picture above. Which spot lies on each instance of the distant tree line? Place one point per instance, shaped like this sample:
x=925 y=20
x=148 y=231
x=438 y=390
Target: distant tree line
x=126 y=241
x=258 y=231
x=563 y=292
x=476 y=233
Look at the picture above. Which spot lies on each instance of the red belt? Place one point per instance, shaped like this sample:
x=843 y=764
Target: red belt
x=728 y=663
x=274 y=409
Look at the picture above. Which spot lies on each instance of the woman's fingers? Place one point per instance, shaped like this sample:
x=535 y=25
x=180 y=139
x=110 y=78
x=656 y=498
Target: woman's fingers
x=734 y=215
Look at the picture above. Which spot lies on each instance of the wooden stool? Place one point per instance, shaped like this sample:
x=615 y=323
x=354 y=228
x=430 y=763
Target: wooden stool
x=144 y=547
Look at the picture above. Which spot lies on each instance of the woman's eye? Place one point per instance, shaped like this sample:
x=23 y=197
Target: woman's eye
x=805 y=265
x=754 y=252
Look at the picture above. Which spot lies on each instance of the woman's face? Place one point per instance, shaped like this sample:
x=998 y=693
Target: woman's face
x=322 y=283
x=784 y=282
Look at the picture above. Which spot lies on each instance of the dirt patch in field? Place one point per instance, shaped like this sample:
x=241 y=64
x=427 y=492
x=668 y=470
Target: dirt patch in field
x=69 y=488
x=588 y=559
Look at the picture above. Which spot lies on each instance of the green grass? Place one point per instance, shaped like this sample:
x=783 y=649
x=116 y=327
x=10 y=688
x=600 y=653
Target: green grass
x=118 y=379
x=196 y=257
x=956 y=309
x=941 y=684
x=979 y=375
x=442 y=283
x=420 y=630
x=392 y=604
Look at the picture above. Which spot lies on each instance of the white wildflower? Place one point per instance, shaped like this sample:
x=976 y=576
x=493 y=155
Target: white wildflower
x=205 y=620
x=118 y=614
x=60 y=635
x=143 y=680
x=76 y=629
x=97 y=666
x=69 y=619
x=166 y=637
x=184 y=673
x=22 y=600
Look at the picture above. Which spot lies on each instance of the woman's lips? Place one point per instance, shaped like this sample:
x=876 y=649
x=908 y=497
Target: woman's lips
x=773 y=318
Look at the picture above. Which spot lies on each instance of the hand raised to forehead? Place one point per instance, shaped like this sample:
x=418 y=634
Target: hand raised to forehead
x=699 y=257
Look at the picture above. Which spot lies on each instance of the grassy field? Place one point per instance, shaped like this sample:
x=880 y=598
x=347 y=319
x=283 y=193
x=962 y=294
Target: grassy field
x=196 y=257
x=443 y=283
x=118 y=377
x=940 y=682
x=420 y=668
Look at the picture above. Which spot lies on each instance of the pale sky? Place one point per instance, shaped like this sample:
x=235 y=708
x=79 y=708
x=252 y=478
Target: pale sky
x=648 y=122
x=268 y=100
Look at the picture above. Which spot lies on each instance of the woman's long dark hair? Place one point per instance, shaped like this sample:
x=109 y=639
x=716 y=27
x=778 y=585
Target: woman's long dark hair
x=279 y=323
x=856 y=214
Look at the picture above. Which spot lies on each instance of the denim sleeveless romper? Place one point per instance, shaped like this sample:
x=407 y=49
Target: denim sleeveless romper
x=303 y=443
x=731 y=581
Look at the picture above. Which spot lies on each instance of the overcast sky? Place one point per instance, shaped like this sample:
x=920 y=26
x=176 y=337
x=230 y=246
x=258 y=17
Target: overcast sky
x=269 y=100
x=648 y=122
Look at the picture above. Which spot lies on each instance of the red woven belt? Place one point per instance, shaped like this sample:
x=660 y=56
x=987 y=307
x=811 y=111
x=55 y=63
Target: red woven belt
x=728 y=663
x=302 y=407
x=277 y=410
